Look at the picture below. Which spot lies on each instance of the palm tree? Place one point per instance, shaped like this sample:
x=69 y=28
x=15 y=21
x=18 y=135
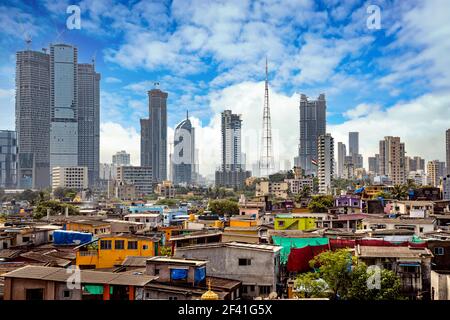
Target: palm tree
x=399 y=192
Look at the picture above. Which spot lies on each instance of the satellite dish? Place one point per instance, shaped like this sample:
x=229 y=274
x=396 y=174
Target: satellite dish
x=273 y=295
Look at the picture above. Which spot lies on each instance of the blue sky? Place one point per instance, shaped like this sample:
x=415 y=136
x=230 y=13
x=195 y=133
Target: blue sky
x=209 y=55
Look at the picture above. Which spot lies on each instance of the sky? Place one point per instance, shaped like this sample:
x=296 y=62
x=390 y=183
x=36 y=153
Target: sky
x=210 y=56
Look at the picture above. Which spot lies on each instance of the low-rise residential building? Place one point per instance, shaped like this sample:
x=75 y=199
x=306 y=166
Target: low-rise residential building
x=165 y=189
x=151 y=220
x=296 y=186
x=347 y=204
x=412 y=266
x=276 y=189
x=413 y=209
x=50 y=283
x=111 y=250
x=256 y=265
x=419 y=226
x=294 y=222
x=96 y=227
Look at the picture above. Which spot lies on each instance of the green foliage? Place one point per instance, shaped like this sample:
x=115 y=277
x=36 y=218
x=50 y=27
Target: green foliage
x=223 y=207
x=346 y=279
x=310 y=285
x=167 y=202
x=321 y=203
x=382 y=194
x=55 y=208
x=61 y=193
x=165 y=251
x=400 y=192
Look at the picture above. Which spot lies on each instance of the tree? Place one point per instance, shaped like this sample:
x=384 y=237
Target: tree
x=166 y=202
x=382 y=194
x=346 y=278
x=223 y=207
x=59 y=193
x=309 y=285
x=55 y=208
x=321 y=203
x=399 y=192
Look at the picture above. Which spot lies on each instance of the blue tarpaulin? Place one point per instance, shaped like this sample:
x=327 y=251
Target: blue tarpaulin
x=64 y=237
x=178 y=274
x=360 y=190
x=200 y=274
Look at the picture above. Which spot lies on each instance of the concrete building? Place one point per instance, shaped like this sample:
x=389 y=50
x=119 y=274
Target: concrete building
x=414 y=164
x=183 y=158
x=440 y=285
x=435 y=171
x=121 y=158
x=256 y=265
x=107 y=171
x=277 y=189
x=341 y=154
x=353 y=143
x=8 y=159
x=374 y=165
x=165 y=189
x=232 y=172
x=447 y=149
x=140 y=177
x=419 y=177
x=312 y=125
x=33 y=119
x=412 y=266
x=392 y=159
x=89 y=120
x=446 y=187
x=63 y=106
x=154 y=135
x=325 y=166
x=70 y=177
x=297 y=185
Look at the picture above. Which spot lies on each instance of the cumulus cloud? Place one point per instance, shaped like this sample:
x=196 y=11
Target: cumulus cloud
x=115 y=137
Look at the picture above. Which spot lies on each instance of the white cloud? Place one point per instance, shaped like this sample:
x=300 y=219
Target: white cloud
x=7 y=110
x=420 y=123
x=361 y=110
x=114 y=137
x=112 y=80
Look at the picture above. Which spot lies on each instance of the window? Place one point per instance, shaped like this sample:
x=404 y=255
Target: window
x=173 y=298
x=280 y=223
x=144 y=247
x=25 y=239
x=34 y=294
x=119 y=244
x=66 y=294
x=252 y=288
x=264 y=289
x=245 y=262
x=439 y=251
x=132 y=245
x=105 y=244
x=409 y=269
x=244 y=289
x=421 y=229
x=156 y=272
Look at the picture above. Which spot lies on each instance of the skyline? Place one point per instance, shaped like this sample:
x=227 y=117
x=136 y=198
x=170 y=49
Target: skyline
x=406 y=98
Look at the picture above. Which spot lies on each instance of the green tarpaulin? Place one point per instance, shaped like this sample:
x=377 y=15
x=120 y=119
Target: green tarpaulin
x=95 y=289
x=288 y=243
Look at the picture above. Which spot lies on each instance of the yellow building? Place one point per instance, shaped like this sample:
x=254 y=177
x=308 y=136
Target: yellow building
x=90 y=226
x=109 y=251
x=242 y=222
x=293 y=222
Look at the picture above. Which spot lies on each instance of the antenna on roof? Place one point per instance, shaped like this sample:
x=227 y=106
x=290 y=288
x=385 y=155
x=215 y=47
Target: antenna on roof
x=93 y=58
x=187 y=114
x=28 y=41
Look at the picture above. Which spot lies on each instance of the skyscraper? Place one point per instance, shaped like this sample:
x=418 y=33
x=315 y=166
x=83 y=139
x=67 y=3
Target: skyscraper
x=312 y=125
x=89 y=120
x=121 y=158
x=231 y=173
x=392 y=159
x=33 y=119
x=154 y=135
x=342 y=153
x=8 y=159
x=325 y=163
x=266 y=161
x=447 y=148
x=374 y=164
x=63 y=106
x=353 y=143
x=435 y=171
x=183 y=158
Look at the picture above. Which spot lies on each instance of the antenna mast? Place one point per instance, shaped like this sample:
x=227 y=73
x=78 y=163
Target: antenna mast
x=266 y=162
